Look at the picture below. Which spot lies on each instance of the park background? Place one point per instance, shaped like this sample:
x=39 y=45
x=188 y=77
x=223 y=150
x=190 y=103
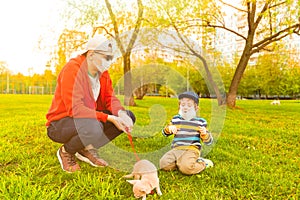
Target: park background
x=255 y=154
x=251 y=48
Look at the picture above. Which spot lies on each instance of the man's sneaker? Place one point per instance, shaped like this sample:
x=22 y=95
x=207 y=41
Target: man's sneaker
x=208 y=163
x=67 y=161
x=91 y=156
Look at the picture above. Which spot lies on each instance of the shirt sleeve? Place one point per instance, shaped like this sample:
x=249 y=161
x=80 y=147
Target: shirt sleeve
x=209 y=138
x=166 y=130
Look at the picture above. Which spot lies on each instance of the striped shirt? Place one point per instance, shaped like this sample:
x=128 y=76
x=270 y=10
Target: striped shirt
x=188 y=134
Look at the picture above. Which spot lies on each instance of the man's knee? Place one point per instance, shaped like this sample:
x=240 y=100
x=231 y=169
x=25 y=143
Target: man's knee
x=89 y=130
x=62 y=130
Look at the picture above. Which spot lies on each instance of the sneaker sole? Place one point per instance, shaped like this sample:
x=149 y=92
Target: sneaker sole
x=85 y=159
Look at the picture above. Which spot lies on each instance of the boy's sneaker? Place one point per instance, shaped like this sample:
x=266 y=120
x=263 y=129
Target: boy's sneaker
x=67 y=161
x=91 y=156
x=208 y=163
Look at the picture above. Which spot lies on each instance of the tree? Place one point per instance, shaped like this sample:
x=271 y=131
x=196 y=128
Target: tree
x=126 y=51
x=118 y=24
x=4 y=74
x=267 y=22
x=69 y=41
x=292 y=75
x=49 y=77
x=177 y=16
x=146 y=76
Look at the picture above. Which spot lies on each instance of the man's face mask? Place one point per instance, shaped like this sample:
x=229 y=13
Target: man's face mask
x=105 y=62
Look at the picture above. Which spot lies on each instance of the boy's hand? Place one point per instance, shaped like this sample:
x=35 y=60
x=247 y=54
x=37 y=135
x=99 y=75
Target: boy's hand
x=172 y=129
x=203 y=133
x=202 y=130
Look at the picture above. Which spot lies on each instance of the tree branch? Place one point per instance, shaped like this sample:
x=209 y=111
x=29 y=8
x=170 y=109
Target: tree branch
x=104 y=28
x=260 y=15
x=236 y=8
x=208 y=24
x=225 y=28
x=114 y=21
x=278 y=4
x=274 y=36
x=251 y=16
x=262 y=46
x=137 y=26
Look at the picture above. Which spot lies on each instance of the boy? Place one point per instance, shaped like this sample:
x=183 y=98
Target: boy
x=189 y=131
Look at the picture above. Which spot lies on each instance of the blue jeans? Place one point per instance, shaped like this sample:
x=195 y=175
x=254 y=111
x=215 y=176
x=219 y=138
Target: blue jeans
x=77 y=133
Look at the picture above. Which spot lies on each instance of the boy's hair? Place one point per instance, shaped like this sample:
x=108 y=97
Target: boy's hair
x=189 y=95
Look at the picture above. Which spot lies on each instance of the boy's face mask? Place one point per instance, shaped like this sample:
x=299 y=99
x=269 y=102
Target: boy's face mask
x=187 y=108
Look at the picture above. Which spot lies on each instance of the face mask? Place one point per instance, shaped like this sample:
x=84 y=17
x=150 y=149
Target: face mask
x=104 y=65
x=188 y=115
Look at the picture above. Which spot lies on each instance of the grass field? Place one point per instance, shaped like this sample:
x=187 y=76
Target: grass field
x=256 y=156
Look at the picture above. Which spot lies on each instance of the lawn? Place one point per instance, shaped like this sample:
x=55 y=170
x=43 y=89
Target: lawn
x=256 y=153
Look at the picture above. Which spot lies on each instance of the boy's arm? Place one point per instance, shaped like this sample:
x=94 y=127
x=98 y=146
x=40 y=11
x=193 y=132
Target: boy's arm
x=171 y=129
x=207 y=137
x=167 y=131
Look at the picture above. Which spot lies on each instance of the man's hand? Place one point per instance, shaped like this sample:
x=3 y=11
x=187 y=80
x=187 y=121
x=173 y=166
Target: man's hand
x=118 y=122
x=127 y=121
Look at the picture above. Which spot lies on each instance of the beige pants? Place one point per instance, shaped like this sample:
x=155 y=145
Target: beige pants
x=183 y=159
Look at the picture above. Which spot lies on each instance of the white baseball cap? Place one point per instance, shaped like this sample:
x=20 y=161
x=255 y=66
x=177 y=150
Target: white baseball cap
x=99 y=43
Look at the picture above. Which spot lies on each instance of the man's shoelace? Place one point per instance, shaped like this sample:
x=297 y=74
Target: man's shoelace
x=71 y=159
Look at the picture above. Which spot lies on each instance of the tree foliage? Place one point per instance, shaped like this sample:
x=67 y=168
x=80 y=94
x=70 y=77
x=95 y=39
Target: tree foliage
x=68 y=43
x=264 y=24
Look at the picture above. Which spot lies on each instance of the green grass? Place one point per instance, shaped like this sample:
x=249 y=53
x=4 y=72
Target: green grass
x=256 y=155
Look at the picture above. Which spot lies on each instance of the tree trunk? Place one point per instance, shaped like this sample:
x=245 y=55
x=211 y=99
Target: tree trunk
x=141 y=91
x=231 y=96
x=128 y=92
x=221 y=101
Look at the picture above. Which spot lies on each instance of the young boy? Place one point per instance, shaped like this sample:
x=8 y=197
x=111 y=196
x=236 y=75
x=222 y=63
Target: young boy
x=189 y=131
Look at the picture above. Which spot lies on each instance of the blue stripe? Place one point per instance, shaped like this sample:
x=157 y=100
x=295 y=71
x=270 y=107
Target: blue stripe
x=188 y=138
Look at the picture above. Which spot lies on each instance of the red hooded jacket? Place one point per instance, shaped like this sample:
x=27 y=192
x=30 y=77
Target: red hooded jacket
x=74 y=96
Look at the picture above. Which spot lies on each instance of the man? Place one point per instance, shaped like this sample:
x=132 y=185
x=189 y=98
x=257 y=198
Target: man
x=85 y=114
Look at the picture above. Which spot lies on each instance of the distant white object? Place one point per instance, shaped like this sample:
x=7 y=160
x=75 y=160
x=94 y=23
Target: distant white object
x=275 y=102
